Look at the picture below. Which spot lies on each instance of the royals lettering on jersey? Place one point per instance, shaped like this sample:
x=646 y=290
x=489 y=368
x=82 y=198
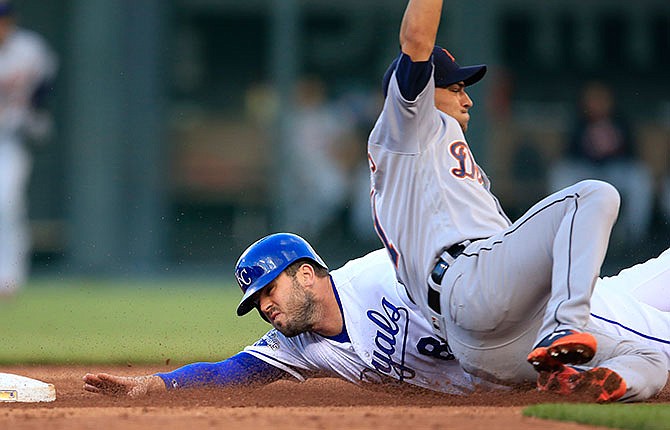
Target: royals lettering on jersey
x=390 y=340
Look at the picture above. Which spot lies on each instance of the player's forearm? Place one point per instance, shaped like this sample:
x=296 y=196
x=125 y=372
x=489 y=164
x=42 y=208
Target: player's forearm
x=418 y=29
x=240 y=369
x=154 y=384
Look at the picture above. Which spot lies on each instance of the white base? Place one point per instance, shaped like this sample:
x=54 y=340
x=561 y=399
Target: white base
x=16 y=388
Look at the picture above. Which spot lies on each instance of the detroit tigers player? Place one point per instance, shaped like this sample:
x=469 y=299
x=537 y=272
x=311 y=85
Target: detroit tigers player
x=25 y=64
x=381 y=336
x=495 y=291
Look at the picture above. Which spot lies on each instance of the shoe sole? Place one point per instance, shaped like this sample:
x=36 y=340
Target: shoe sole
x=599 y=384
x=577 y=348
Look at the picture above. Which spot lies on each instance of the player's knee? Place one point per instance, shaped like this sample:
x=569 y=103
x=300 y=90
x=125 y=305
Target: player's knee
x=605 y=195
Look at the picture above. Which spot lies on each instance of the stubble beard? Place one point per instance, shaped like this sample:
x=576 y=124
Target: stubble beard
x=299 y=310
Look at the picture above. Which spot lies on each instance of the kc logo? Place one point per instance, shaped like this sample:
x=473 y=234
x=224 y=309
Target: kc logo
x=243 y=278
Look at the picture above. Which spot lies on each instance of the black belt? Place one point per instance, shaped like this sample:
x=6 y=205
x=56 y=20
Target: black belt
x=438 y=273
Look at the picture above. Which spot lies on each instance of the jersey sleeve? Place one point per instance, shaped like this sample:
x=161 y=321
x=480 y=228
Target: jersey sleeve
x=409 y=119
x=240 y=369
x=292 y=355
x=412 y=77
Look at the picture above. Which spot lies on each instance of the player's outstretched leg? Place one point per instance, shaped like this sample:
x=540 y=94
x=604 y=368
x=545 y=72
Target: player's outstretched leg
x=598 y=384
x=562 y=347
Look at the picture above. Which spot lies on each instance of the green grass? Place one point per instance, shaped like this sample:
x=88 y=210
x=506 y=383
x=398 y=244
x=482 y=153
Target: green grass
x=636 y=416
x=94 y=321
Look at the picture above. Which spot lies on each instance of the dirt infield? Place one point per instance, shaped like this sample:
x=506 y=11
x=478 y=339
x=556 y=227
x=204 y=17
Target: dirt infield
x=315 y=404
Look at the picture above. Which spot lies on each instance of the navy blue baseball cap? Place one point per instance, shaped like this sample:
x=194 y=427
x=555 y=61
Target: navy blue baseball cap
x=446 y=72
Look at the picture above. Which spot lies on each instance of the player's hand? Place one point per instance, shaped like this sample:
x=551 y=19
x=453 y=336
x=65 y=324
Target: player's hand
x=131 y=386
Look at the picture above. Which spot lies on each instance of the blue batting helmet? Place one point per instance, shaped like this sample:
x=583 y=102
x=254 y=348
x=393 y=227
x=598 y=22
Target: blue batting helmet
x=265 y=259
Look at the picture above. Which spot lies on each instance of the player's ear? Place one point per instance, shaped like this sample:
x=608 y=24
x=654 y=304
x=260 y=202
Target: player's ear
x=306 y=274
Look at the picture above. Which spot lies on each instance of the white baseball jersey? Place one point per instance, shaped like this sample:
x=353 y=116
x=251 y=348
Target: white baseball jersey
x=25 y=63
x=636 y=302
x=389 y=338
x=424 y=198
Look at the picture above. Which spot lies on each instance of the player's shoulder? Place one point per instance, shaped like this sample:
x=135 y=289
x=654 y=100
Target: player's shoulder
x=376 y=258
x=274 y=340
x=374 y=267
x=452 y=127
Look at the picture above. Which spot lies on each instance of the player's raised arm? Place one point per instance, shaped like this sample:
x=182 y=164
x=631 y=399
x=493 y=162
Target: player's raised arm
x=418 y=29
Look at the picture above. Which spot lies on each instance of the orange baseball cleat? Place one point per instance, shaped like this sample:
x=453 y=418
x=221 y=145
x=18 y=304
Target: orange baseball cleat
x=562 y=347
x=598 y=384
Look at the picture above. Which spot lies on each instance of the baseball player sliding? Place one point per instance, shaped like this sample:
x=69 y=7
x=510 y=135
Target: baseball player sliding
x=357 y=323
x=500 y=294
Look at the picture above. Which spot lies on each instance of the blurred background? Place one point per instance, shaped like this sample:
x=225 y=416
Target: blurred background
x=186 y=129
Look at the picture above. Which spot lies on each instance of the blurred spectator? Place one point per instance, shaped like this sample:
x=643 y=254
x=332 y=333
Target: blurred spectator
x=361 y=107
x=602 y=147
x=321 y=158
x=328 y=137
x=27 y=66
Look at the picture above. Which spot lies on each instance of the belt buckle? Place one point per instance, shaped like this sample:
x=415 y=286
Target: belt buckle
x=446 y=258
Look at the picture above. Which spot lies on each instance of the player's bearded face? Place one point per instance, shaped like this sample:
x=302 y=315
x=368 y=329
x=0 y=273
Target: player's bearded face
x=455 y=102
x=297 y=311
